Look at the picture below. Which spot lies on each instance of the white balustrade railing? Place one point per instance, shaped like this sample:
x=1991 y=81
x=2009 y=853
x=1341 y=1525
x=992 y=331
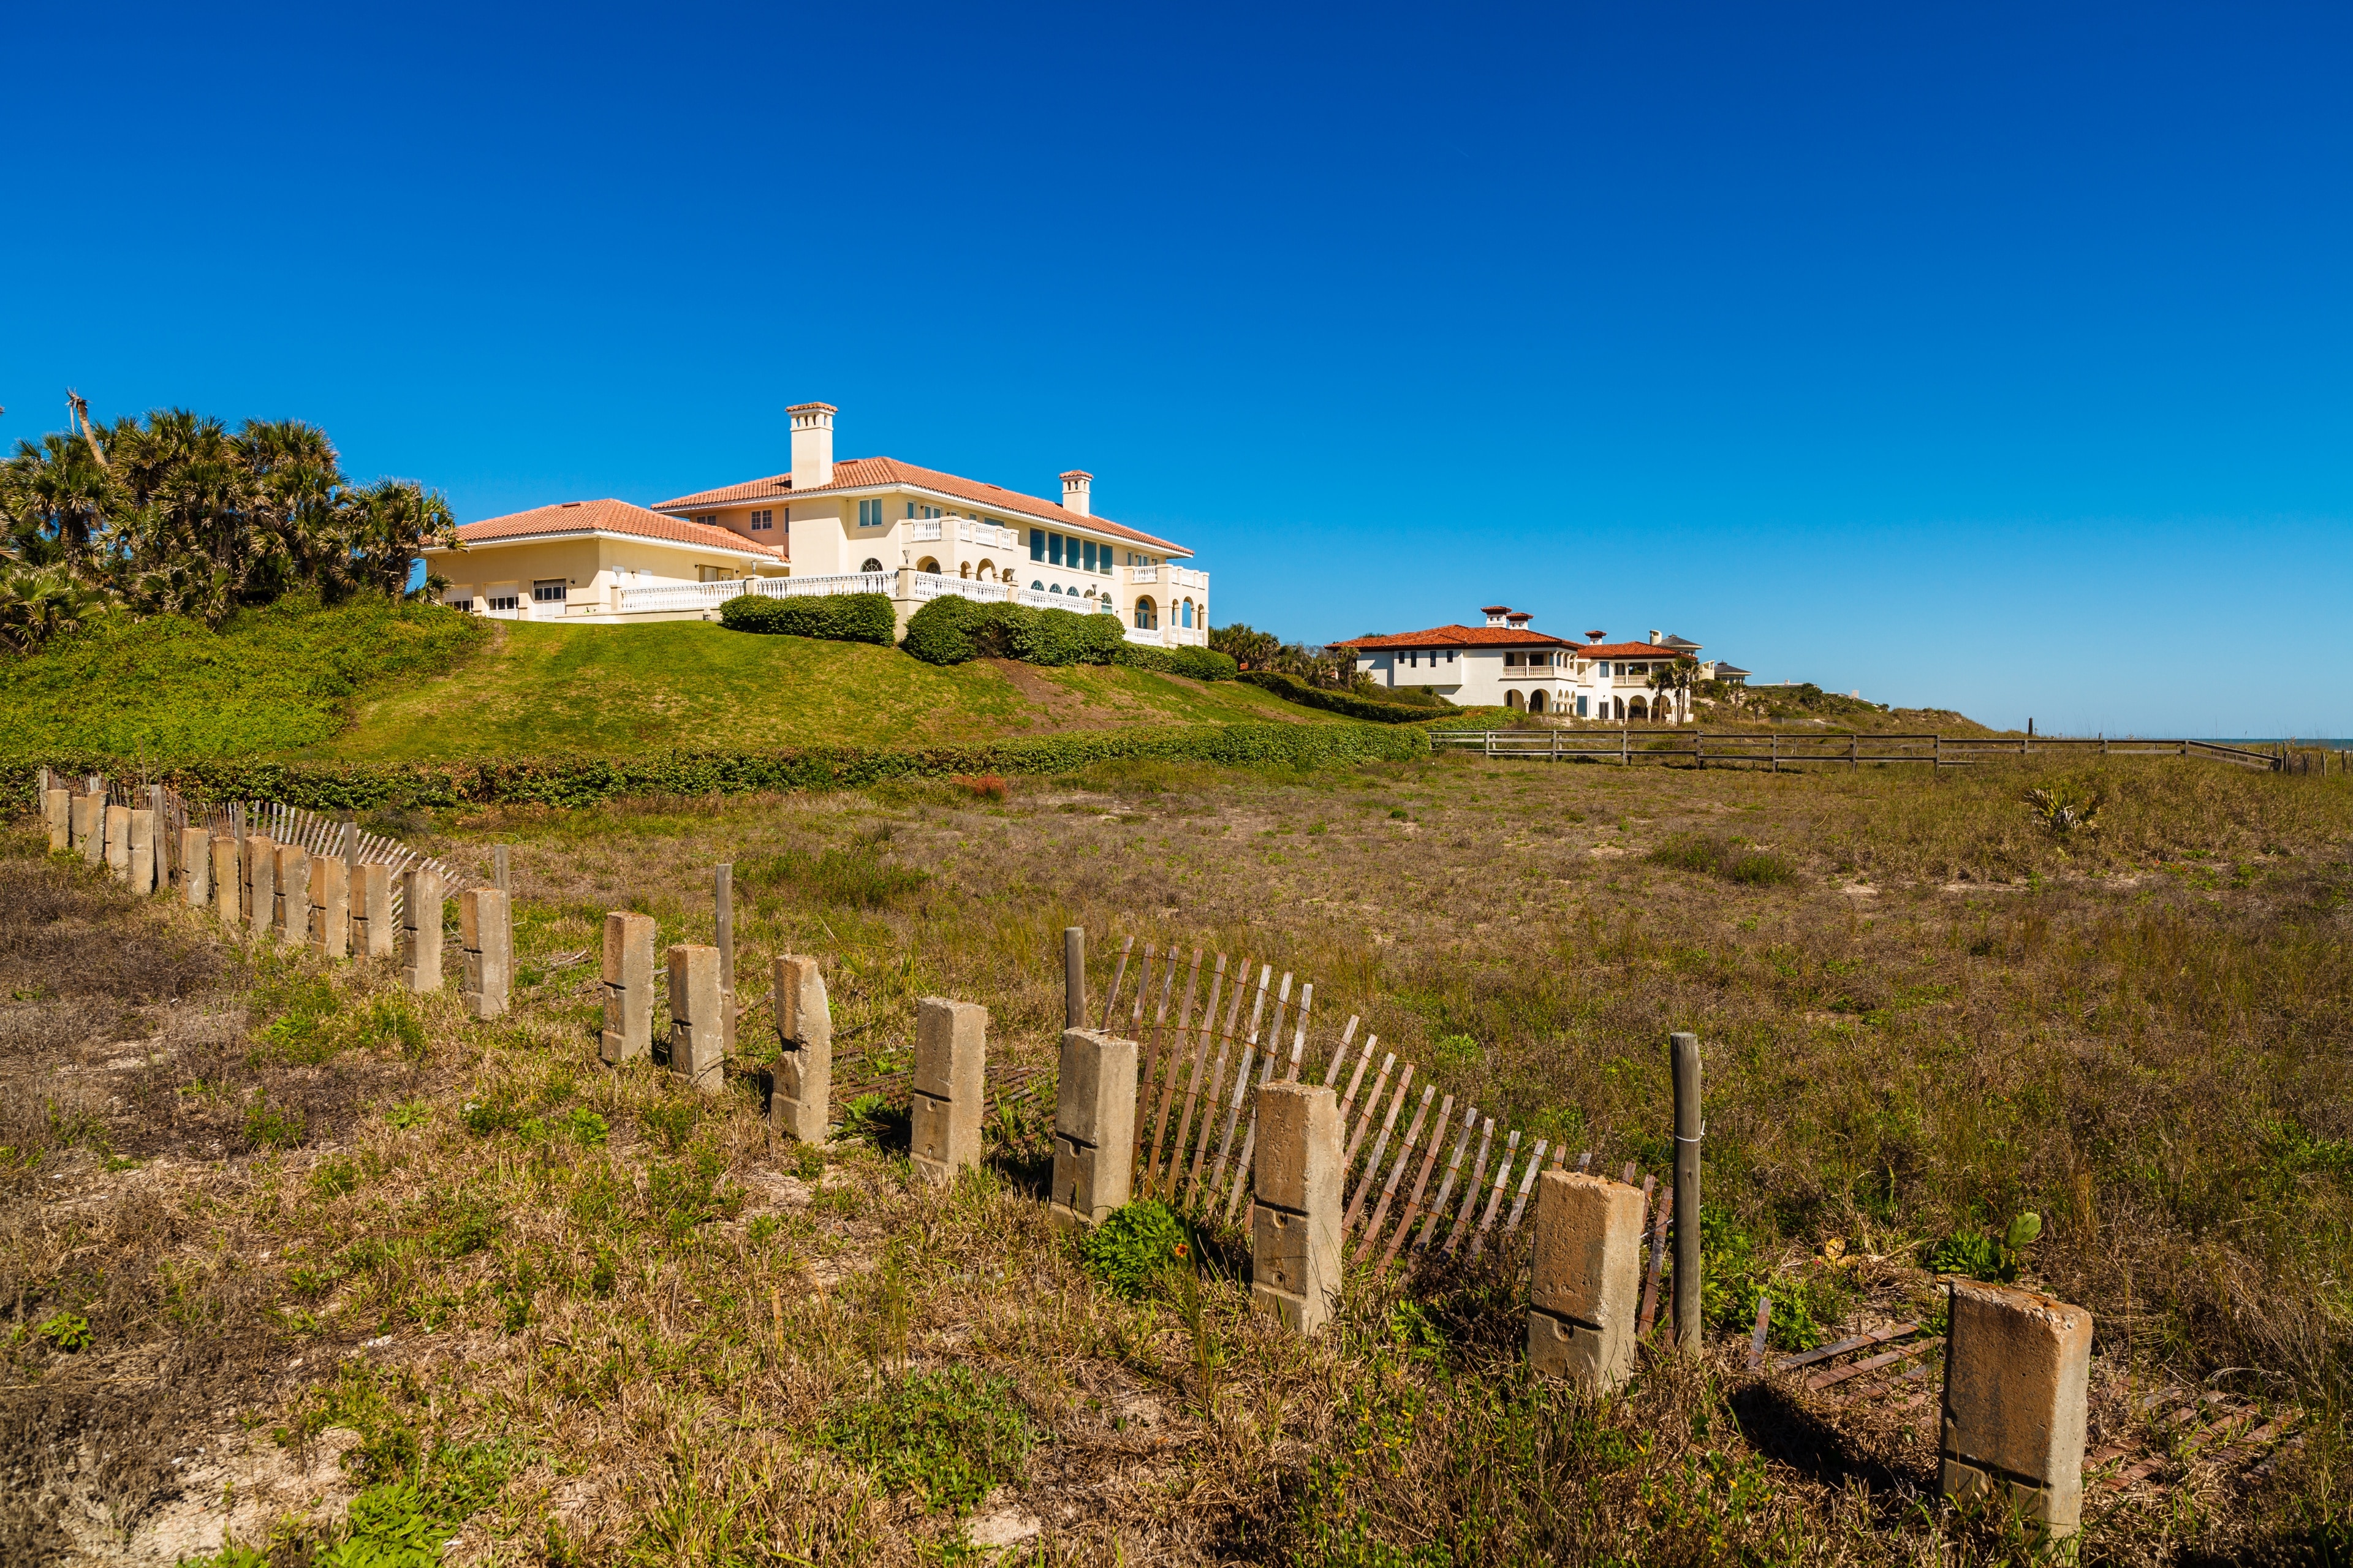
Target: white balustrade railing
x=989 y=534
x=708 y=595
x=1180 y=578
x=1143 y=574
x=922 y=531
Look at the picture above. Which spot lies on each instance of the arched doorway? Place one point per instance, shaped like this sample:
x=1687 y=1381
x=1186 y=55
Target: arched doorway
x=1513 y=701
x=1147 y=615
x=1535 y=701
x=965 y=570
x=987 y=573
x=1187 y=615
x=1635 y=710
x=930 y=564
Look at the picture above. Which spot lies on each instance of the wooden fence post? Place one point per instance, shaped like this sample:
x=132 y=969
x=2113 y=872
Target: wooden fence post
x=1075 y=977
x=1689 y=1129
x=723 y=901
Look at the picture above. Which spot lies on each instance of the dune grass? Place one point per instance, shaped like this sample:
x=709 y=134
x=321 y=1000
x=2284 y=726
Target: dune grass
x=697 y=1343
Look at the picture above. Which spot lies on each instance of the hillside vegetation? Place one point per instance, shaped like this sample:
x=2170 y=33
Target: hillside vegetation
x=375 y=680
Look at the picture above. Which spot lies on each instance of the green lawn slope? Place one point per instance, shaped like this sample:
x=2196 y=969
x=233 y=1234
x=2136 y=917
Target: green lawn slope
x=386 y=682
x=617 y=689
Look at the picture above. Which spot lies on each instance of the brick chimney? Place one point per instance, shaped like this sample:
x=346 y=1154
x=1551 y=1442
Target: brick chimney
x=1075 y=486
x=812 y=444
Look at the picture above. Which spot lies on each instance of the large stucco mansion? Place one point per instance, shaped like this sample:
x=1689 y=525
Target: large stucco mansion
x=1508 y=663
x=859 y=525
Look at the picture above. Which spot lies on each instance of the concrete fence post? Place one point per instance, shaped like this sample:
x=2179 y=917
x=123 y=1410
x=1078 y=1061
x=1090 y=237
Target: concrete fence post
x=1295 y=1179
x=951 y=1057
x=261 y=883
x=229 y=885
x=373 y=936
x=195 y=866
x=698 y=1025
x=487 y=934
x=118 y=842
x=1094 y=1128
x=293 y=919
x=2017 y=1370
x=330 y=914
x=420 y=929
x=144 y=861
x=57 y=811
x=800 y=1104
x=1585 y=1271
x=90 y=827
x=628 y=1031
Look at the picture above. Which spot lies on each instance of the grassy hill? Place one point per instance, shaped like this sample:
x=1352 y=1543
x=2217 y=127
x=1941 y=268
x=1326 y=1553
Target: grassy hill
x=379 y=682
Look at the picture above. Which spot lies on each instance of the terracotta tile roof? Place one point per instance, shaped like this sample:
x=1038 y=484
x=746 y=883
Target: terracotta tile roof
x=608 y=517
x=1627 y=650
x=863 y=473
x=1461 y=637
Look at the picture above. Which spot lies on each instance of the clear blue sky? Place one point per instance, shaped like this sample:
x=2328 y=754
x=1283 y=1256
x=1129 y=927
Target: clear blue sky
x=1998 y=358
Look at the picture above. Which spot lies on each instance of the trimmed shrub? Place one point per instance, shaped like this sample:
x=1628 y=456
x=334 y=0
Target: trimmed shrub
x=1193 y=663
x=952 y=629
x=832 y=617
x=582 y=780
x=1291 y=688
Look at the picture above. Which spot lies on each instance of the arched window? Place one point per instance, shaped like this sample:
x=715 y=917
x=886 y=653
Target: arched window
x=965 y=570
x=928 y=565
x=1186 y=615
x=1147 y=615
x=871 y=565
x=1055 y=589
x=1036 y=587
x=987 y=573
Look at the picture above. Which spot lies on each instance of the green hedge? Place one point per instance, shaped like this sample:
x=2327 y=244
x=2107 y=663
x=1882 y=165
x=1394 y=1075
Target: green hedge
x=835 y=617
x=952 y=629
x=582 y=780
x=1193 y=663
x=1291 y=688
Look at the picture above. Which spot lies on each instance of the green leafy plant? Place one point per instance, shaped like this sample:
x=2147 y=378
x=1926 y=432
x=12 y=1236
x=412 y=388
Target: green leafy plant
x=589 y=1129
x=1134 y=1247
x=69 y=1331
x=2064 y=810
x=671 y=1120
x=1291 y=688
x=266 y=1127
x=409 y=1115
x=1980 y=1255
x=948 y=1437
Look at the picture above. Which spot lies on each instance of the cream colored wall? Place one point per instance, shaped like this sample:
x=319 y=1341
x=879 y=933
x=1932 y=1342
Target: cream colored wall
x=593 y=569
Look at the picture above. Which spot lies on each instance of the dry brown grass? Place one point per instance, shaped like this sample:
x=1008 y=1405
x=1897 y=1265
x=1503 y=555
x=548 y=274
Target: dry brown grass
x=1948 y=1015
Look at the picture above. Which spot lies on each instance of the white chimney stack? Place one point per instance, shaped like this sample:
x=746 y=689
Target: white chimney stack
x=812 y=444
x=1657 y=637
x=1075 y=486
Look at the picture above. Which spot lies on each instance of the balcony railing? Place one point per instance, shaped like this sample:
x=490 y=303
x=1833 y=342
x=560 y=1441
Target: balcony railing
x=708 y=595
x=1181 y=577
x=1143 y=574
x=922 y=530
x=987 y=533
x=1535 y=672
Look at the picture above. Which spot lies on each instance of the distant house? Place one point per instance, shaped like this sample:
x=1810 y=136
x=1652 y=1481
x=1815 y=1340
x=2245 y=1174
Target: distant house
x=861 y=525
x=1507 y=663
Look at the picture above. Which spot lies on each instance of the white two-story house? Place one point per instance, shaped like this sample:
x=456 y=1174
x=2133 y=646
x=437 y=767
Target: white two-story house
x=859 y=525
x=1507 y=663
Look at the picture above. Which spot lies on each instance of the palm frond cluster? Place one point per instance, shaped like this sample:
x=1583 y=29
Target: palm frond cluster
x=175 y=513
x=1334 y=668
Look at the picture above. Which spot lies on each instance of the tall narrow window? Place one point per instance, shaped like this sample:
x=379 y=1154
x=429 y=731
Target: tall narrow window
x=1053 y=550
x=1037 y=544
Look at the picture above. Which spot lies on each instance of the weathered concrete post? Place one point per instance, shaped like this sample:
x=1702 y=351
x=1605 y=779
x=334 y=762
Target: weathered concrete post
x=195 y=866
x=420 y=929
x=261 y=883
x=118 y=842
x=229 y=885
x=800 y=1105
x=1586 y=1275
x=2017 y=1370
x=629 y=987
x=488 y=937
x=329 y=915
x=90 y=827
x=698 y=1032
x=57 y=811
x=1295 y=1179
x=951 y=1056
x=293 y=921
x=373 y=936
x=1094 y=1128
x=144 y=861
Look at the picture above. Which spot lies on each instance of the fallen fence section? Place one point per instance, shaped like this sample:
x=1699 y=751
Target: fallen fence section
x=1703 y=749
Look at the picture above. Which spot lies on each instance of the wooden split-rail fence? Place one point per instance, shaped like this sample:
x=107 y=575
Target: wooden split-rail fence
x=1775 y=752
x=316 y=832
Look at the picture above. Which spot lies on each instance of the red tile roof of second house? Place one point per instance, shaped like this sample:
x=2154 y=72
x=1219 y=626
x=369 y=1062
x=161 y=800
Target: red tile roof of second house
x=1628 y=650
x=608 y=516
x=1461 y=637
x=864 y=473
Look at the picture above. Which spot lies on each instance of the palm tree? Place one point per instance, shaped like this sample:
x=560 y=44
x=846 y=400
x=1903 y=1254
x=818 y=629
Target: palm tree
x=1676 y=675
